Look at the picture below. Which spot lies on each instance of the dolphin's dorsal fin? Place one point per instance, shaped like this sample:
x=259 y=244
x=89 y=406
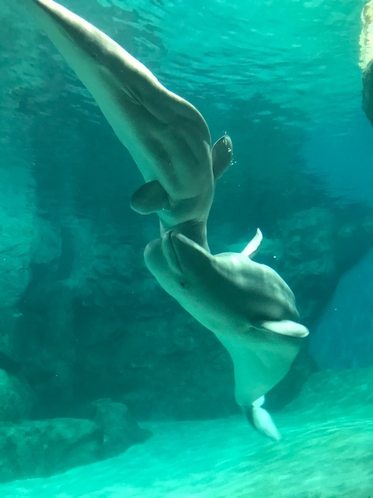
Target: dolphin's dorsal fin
x=253 y=246
x=222 y=152
x=149 y=198
x=285 y=327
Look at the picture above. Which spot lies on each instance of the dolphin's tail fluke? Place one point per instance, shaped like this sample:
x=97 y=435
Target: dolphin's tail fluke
x=261 y=420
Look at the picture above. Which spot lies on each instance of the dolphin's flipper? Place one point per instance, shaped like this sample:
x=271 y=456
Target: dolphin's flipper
x=253 y=246
x=222 y=152
x=261 y=420
x=149 y=198
x=285 y=327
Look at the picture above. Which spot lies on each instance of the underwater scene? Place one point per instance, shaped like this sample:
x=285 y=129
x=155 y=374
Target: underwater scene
x=186 y=249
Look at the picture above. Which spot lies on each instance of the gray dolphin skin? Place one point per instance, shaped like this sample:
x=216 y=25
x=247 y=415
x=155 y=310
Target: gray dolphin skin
x=167 y=137
x=247 y=305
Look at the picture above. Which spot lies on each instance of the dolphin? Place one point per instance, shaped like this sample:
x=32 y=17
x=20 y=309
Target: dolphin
x=166 y=136
x=247 y=305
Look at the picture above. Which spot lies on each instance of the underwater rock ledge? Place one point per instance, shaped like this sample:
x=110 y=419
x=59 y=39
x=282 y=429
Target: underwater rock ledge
x=41 y=448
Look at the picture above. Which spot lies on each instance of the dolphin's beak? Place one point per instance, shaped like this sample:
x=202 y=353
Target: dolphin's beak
x=170 y=253
x=183 y=254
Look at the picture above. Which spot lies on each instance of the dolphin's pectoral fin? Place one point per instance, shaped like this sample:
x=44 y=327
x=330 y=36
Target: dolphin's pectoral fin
x=222 y=152
x=285 y=327
x=149 y=198
x=253 y=246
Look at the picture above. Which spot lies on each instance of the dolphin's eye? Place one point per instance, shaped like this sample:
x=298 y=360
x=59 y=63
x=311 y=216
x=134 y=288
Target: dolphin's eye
x=182 y=284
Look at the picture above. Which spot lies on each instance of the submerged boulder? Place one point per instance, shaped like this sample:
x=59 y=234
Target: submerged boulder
x=41 y=448
x=16 y=398
x=120 y=429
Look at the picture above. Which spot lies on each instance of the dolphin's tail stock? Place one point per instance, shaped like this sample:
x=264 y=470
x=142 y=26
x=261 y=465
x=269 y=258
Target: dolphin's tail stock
x=261 y=420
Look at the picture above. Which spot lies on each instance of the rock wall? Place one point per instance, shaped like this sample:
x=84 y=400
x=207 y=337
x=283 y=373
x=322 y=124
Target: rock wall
x=343 y=337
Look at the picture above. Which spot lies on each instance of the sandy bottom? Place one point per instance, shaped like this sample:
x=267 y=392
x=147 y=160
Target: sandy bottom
x=326 y=452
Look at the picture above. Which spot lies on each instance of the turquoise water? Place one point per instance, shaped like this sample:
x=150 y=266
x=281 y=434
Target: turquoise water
x=82 y=319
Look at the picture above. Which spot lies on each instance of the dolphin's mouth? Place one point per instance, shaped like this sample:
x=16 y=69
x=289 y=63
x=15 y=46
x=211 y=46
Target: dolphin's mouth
x=170 y=253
